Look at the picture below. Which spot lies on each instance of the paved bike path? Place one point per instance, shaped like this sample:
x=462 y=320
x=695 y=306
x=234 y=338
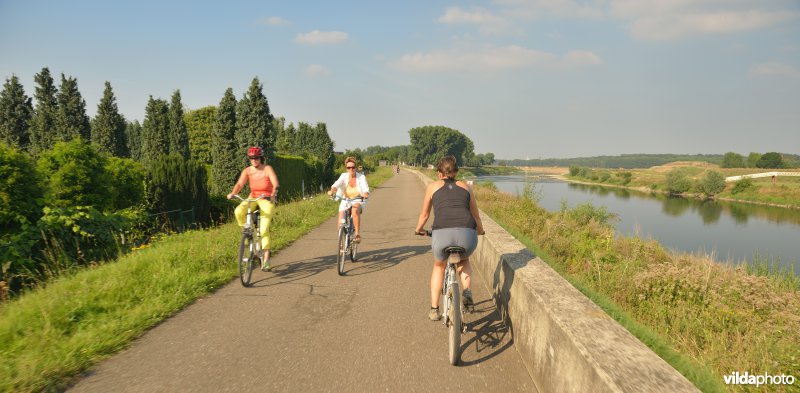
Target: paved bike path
x=304 y=328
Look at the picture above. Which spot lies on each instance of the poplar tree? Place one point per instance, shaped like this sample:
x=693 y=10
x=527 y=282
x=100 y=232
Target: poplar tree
x=43 y=124
x=155 y=130
x=108 y=126
x=15 y=114
x=178 y=138
x=72 y=121
x=254 y=120
x=133 y=133
x=284 y=140
x=199 y=126
x=227 y=157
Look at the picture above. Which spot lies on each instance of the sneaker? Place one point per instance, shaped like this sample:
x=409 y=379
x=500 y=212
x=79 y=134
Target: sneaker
x=265 y=266
x=466 y=297
x=434 y=315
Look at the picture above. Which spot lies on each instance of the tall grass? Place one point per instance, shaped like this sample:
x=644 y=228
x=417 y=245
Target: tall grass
x=50 y=334
x=705 y=319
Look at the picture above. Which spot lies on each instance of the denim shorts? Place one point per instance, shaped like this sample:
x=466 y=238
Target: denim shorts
x=443 y=238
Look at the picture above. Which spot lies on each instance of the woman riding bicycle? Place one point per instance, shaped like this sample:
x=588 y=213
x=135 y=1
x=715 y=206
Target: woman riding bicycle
x=263 y=182
x=353 y=185
x=456 y=223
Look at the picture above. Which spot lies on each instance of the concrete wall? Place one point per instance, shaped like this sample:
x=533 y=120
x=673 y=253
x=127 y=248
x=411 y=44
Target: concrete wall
x=566 y=341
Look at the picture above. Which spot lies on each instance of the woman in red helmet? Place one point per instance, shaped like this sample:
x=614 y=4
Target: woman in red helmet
x=263 y=181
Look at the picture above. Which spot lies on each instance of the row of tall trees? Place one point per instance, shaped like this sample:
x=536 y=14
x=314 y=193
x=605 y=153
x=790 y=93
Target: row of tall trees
x=770 y=160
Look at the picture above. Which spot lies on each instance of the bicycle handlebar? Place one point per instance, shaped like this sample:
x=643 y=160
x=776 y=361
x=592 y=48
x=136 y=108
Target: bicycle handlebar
x=263 y=196
x=335 y=197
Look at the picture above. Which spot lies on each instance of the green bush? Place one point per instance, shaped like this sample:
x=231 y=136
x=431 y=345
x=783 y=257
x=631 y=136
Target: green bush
x=79 y=234
x=20 y=190
x=127 y=182
x=176 y=190
x=573 y=170
x=76 y=176
x=742 y=186
x=625 y=177
x=678 y=182
x=291 y=173
x=713 y=183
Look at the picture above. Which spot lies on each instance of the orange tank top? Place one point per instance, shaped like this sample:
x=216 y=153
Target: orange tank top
x=259 y=182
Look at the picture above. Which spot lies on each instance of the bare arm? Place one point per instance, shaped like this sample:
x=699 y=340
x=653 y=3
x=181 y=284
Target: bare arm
x=473 y=208
x=239 y=184
x=273 y=178
x=425 y=212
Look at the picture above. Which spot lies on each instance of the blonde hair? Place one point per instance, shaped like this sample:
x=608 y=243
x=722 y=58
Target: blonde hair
x=349 y=159
x=448 y=166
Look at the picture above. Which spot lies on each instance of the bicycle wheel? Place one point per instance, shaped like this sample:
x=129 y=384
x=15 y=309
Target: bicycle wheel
x=342 y=253
x=246 y=256
x=455 y=324
x=353 y=249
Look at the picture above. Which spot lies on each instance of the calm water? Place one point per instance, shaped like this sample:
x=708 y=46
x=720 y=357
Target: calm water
x=732 y=231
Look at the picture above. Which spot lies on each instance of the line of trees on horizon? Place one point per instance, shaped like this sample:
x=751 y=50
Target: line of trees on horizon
x=631 y=161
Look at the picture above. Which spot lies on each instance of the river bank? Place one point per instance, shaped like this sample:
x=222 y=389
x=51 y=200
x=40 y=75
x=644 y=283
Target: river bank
x=728 y=318
x=783 y=192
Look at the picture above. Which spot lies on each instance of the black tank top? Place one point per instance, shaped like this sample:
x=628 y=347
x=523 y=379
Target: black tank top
x=451 y=207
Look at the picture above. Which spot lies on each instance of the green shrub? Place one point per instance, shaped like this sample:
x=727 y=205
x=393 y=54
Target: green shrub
x=76 y=176
x=79 y=234
x=713 y=183
x=678 y=182
x=573 y=170
x=176 y=190
x=127 y=182
x=625 y=177
x=742 y=186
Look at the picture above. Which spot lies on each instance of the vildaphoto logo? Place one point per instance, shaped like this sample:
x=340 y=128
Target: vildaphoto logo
x=737 y=378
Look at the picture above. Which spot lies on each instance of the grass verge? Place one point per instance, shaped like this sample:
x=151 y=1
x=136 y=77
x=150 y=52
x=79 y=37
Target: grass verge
x=51 y=334
x=705 y=319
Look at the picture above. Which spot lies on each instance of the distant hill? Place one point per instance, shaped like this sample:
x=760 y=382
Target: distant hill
x=629 y=161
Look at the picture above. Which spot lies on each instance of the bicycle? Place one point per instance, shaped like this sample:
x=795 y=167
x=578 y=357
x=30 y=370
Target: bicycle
x=346 y=240
x=452 y=311
x=250 y=245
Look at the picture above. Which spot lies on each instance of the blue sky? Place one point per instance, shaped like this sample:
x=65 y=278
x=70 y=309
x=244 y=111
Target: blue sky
x=522 y=78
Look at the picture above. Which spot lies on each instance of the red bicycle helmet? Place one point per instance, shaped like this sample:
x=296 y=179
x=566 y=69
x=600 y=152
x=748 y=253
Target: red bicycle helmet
x=255 y=151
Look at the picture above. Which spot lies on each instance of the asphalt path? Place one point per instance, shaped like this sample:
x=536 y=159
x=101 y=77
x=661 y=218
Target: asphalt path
x=304 y=328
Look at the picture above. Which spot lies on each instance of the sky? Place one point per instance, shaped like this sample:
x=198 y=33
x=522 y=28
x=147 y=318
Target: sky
x=521 y=78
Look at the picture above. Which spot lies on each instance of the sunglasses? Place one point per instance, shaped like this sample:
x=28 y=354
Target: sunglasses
x=350 y=167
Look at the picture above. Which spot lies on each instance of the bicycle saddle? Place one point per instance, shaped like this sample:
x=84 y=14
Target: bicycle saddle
x=454 y=250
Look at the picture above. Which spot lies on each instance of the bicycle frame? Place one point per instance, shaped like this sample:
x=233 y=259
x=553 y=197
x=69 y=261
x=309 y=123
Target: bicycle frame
x=251 y=240
x=346 y=229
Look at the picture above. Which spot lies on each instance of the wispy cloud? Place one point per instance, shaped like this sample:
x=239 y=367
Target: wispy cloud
x=493 y=58
x=660 y=19
x=669 y=27
x=775 y=70
x=315 y=70
x=486 y=21
x=273 y=21
x=317 y=37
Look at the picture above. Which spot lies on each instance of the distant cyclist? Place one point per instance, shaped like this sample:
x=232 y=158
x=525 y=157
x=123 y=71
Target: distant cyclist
x=263 y=181
x=456 y=223
x=352 y=185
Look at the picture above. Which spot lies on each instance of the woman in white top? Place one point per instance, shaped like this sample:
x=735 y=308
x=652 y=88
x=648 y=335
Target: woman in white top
x=352 y=185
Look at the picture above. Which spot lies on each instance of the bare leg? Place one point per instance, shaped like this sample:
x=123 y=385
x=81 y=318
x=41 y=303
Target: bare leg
x=465 y=271
x=341 y=213
x=437 y=275
x=356 y=220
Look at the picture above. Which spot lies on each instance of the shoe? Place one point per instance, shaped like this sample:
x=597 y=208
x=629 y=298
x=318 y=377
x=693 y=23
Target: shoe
x=265 y=266
x=466 y=297
x=434 y=315
x=358 y=239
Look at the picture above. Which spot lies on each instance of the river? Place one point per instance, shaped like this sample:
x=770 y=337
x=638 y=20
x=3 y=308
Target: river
x=732 y=232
